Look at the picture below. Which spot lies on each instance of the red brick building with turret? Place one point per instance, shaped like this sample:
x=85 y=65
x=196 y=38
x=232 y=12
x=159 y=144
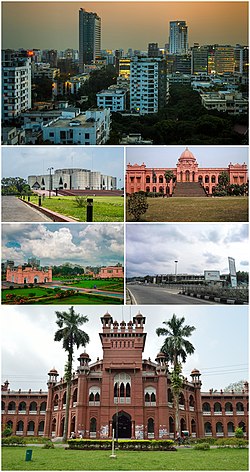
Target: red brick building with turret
x=126 y=393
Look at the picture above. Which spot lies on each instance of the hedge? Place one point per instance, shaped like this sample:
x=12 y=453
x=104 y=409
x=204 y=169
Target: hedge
x=134 y=445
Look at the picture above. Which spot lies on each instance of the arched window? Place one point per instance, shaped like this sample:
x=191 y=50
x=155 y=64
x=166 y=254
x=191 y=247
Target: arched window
x=22 y=406
x=154 y=179
x=10 y=424
x=12 y=406
x=219 y=429
x=208 y=429
x=41 y=427
x=151 y=426
x=228 y=407
x=187 y=175
x=2 y=406
x=230 y=428
x=55 y=402
x=92 y=429
x=43 y=407
x=191 y=402
x=206 y=179
x=150 y=396
x=154 y=189
x=206 y=407
x=242 y=426
x=161 y=189
x=31 y=427
x=193 y=427
x=122 y=388
x=20 y=426
x=147 y=179
x=147 y=189
x=74 y=397
x=171 y=425
x=94 y=395
x=33 y=407
x=200 y=179
x=213 y=179
x=182 y=401
x=170 y=396
x=239 y=407
x=64 y=398
x=53 y=429
x=217 y=407
x=161 y=179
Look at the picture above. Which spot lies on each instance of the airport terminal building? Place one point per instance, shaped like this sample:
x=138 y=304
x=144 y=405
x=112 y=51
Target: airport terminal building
x=126 y=393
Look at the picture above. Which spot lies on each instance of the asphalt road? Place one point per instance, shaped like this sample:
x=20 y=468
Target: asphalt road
x=154 y=295
x=14 y=209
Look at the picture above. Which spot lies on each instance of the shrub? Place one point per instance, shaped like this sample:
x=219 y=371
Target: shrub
x=13 y=441
x=232 y=442
x=239 y=433
x=80 y=201
x=133 y=445
x=137 y=205
x=7 y=431
x=202 y=446
x=48 y=445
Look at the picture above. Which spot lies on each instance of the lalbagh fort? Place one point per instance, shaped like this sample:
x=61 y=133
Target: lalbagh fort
x=125 y=393
x=188 y=179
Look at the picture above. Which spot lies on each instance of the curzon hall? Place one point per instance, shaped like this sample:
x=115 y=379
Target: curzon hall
x=188 y=178
x=126 y=393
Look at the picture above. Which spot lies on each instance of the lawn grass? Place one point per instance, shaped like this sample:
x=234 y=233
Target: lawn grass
x=196 y=209
x=24 y=292
x=183 y=459
x=104 y=208
x=112 y=285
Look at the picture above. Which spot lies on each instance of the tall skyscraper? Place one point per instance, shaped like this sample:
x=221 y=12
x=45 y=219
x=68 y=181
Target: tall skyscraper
x=89 y=37
x=178 y=37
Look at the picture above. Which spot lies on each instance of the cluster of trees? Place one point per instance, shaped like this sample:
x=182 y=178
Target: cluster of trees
x=99 y=80
x=67 y=270
x=15 y=186
x=183 y=119
x=225 y=188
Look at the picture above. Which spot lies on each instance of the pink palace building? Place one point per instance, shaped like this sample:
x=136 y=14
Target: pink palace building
x=28 y=275
x=110 y=272
x=189 y=179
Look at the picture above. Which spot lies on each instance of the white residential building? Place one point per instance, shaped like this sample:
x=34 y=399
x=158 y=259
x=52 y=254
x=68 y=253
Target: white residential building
x=16 y=84
x=232 y=103
x=113 y=98
x=149 y=88
x=88 y=128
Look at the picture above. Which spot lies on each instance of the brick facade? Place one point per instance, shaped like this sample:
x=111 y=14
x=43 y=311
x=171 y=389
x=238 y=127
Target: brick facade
x=126 y=393
x=28 y=275
x=141 y=177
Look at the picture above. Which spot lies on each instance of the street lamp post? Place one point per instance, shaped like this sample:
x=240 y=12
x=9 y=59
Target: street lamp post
x=176 y=263
x=50 y=180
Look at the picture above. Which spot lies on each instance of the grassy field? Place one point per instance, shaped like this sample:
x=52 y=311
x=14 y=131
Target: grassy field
x=196 y=209
x=183 y=459
x=104 y=209
x=113 y=285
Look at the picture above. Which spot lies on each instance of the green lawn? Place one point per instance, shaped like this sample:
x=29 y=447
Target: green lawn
x=24 y=292
x=13 y=458
x=113 y=285
x=196 y=209
x=104 y=208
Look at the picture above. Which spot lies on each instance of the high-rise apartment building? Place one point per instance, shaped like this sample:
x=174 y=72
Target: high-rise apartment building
x=178 y=37
x=16 y=84
x=148 y=85
x=89 y=37
x=199 y=59
x=224 y=59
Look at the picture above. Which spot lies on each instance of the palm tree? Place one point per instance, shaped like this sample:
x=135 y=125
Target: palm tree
x=169 y=175
x=176 y=348
x=71 y=335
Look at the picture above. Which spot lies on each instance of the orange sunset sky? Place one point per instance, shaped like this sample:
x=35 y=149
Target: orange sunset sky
x=124 y=24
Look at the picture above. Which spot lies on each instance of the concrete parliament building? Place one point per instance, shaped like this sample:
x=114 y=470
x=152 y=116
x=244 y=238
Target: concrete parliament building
x=69 y=179
x=124 y=392
x=188 y=177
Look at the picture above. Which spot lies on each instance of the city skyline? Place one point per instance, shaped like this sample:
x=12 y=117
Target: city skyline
x=38 y=28
x=213 y=338
x=196 y=247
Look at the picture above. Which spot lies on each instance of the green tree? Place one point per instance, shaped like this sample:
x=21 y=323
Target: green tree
x=176 y=347
x=14 y=186
x=71 y=335
x=169 y=175
x=137 y=205
x=223 y=180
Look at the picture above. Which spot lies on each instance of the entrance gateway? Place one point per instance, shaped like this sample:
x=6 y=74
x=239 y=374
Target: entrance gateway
x=121 y=423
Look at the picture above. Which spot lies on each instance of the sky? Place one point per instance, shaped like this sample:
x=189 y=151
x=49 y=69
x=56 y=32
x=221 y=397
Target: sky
x=55 y=244
x=124 y=24
x=167 y=156
x=152 y=249
x=23 y=161
x=26 y=364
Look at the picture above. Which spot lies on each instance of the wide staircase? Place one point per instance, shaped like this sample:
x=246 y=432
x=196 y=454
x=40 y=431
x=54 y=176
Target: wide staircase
x=189 y=189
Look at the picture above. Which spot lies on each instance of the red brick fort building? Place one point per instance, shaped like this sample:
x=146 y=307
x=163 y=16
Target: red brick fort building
x=189 y=178
x=126 y=393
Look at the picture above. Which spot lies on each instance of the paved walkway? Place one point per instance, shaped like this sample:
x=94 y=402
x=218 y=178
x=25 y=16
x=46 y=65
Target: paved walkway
x=14 y=209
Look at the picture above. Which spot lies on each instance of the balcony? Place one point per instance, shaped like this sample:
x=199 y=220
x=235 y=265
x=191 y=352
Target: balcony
x=229 y=413
x=240 y=413
x=191 y=408
x=206 y=413
x=42 y=412
x=181 y=407
x=218 y=413
x=10 y=412
x=220 y=435
x=22 y=412
x=30 y=433
x=33 y=412
x=208 y=435
x=19 y=433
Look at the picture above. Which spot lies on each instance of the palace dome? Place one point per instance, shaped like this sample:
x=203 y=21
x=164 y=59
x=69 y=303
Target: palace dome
x=187 y=155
